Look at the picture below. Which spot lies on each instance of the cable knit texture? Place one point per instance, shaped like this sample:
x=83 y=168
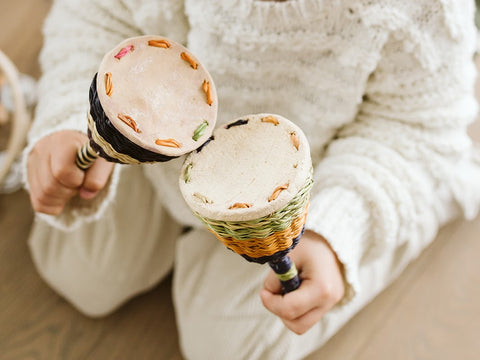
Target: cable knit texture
x=384 y=91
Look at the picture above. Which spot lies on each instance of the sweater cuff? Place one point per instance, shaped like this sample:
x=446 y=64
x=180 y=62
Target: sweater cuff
x=341 y=216
x=78 y=210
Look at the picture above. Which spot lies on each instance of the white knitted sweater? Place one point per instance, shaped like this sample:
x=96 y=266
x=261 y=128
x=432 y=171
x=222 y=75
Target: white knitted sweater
x=384 y=91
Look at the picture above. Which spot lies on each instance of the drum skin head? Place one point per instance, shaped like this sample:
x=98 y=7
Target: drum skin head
x=252 y=167
x=158 y=95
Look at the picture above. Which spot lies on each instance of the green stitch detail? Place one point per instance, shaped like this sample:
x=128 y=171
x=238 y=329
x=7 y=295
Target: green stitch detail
x=186 y=174
x=197 y=134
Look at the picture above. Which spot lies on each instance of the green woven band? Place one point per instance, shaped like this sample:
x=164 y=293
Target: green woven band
x=290 y=274
x=265 y=226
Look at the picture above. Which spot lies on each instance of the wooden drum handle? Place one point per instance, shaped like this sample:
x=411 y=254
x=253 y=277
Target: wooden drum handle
x=86 y=156
x=287 y=273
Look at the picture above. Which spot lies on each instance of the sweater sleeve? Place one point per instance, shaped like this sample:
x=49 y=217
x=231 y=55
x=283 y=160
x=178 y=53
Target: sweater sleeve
x=77 y=34
x=406 y=165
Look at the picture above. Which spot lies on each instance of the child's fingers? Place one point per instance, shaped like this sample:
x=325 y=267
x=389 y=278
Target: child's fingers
x=96 y=178
x=300 y=325
x=272 y=283
x=46 y=209
x=294 y=304
x=46 y=194
x=35 y=187
x=41 y=202
x=53 y=176
x=64 y=169
x=51 y=187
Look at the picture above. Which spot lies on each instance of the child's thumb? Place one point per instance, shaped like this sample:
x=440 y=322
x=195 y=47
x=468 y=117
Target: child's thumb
x=272 y=283
x=96 y=177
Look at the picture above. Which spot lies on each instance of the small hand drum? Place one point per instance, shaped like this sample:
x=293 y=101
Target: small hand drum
x=151 y=100
x=250 y=186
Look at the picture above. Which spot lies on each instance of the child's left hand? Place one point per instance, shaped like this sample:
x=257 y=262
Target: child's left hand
x=321 y=288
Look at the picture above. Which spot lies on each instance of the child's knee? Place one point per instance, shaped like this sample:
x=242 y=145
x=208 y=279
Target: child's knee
x=99 y=304
x=203 y=336
x=98 y=267
x=262 y=336
x=93 y=290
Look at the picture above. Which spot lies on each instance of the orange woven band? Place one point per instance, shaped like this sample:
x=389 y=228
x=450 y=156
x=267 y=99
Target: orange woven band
x=270 y=245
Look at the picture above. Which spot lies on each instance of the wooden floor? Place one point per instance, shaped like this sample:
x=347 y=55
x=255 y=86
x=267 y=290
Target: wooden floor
x=431 y=312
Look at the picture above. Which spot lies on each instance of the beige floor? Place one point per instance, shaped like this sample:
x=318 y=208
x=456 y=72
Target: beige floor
x=431 y=312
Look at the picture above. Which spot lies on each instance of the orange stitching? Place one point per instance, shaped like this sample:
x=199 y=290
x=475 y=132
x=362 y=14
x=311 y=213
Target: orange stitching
x=159 y=43
x=240 y=206
x=168 y=142
x=207 y=89
x=270 y=119
x=294 y=139
x=189 y=59
x=108 y=84
x=129 y=121
x=277 y=192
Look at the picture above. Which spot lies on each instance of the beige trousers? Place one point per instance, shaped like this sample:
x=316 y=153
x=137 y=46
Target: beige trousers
x=219 y=312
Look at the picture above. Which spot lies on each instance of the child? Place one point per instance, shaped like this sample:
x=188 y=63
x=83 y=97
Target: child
x=384 y=92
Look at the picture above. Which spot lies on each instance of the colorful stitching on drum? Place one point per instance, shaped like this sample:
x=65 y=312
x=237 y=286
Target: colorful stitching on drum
x=129 y=121
x=189 y=59
x=206 y=88
x=159 y=43
x=108 y=84
x=277 y=192
x=124 y=51
x=168 y=142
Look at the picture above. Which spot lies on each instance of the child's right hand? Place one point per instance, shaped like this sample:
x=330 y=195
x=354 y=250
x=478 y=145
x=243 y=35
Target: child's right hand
x=53 y=176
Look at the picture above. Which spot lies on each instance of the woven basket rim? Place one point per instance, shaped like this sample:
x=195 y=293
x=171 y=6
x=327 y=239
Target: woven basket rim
x=20 y=118
x=264 y=226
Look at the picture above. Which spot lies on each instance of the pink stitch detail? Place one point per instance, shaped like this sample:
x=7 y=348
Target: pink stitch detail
x=124 y=52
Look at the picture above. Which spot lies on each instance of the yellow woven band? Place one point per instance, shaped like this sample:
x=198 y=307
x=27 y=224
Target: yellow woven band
x=107 y=148
x=278 y=241
x=290 y=274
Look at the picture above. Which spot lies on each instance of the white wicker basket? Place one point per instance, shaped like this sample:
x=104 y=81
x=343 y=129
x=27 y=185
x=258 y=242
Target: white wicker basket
x=20 y=118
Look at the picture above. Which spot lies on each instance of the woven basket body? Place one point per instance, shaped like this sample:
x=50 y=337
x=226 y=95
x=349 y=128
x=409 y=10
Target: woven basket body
x=255 y=196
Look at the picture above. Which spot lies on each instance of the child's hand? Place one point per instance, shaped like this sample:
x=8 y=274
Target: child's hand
x=321 y=288
x=53 y=176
